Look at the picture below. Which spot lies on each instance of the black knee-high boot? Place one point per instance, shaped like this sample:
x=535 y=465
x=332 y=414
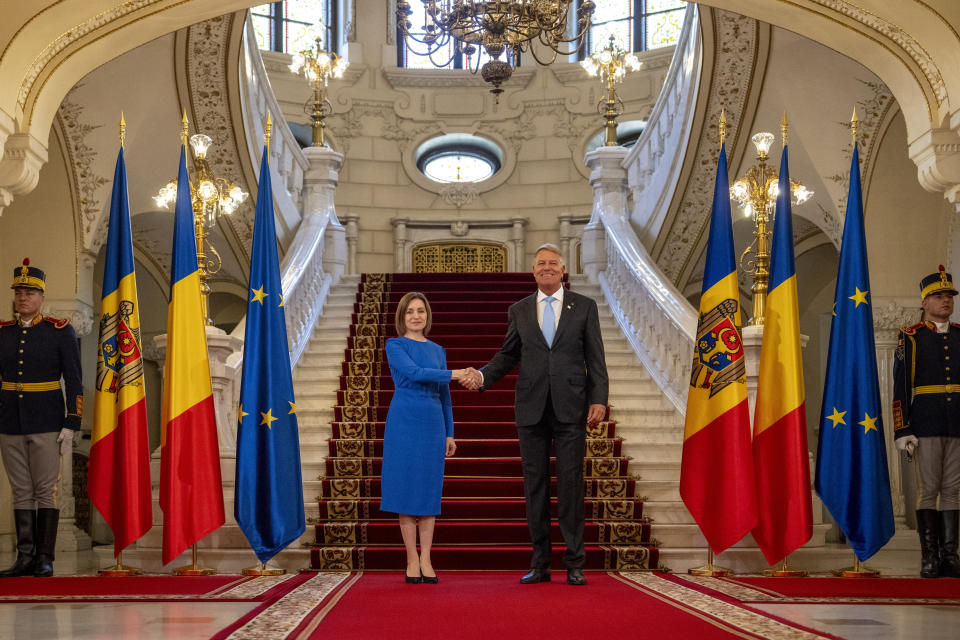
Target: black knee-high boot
x=928 y=526
x=46 y=541
x=949 y=560
x=26 y=522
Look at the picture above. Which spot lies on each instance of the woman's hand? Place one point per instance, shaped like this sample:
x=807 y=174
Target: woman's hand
x=451 y=447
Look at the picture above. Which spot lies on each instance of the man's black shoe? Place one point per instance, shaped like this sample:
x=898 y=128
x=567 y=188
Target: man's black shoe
x=535 y=576
x=576 y=577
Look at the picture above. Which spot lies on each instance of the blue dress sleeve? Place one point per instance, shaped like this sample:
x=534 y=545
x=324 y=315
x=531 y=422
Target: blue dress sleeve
x=401 y=362
x=445 y=399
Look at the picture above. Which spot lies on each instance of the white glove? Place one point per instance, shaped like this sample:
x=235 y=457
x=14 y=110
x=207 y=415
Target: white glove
x=66 y=441
x=907 y=443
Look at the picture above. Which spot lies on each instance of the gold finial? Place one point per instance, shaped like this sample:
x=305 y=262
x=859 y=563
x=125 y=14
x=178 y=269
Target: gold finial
x=266 y=132
x=123 y=128
x=853 y=126
x=184 y=123
x=723 y=126
x=783 y=129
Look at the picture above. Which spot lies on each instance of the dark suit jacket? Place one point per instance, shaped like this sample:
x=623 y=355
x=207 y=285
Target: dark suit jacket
x=573 y=372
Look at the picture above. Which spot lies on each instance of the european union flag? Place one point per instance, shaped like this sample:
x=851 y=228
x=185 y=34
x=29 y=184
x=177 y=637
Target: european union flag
x=852 y=477
x=269 y=494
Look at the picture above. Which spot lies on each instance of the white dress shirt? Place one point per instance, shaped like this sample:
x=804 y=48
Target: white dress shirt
x=557 y=306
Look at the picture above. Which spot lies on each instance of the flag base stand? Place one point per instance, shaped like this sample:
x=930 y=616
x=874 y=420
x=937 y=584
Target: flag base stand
x=710 y=569
x=193 y=569
x=856 y=571
x=783 y=571
x=120 y=569
x=263 y=569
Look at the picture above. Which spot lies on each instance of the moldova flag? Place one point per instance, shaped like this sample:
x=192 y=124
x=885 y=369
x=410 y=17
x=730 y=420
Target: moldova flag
x=716 y=474
x=785 y=518
x=191 y=493
x=118 y=480
x=269 y=498
x=852 y=476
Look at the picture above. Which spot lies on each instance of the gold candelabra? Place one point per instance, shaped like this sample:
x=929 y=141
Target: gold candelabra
x=756 y=193
x=498 y=27
x=611 y=64
x=318 y=66
x=211 y=197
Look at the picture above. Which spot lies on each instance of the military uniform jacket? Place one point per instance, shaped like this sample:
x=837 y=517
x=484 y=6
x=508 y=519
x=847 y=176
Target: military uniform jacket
x=31 y=360
x=926 y=382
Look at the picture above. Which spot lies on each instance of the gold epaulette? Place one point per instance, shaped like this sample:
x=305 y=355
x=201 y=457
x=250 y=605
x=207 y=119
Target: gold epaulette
x=59 y=323
x=911 y=330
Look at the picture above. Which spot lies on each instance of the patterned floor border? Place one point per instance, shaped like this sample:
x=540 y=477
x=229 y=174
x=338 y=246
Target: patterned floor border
x=243 y=588
x=295 y=615
x=729 y=617
x=746 y=593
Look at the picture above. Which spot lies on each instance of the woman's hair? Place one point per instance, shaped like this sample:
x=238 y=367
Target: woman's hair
x=402 y=312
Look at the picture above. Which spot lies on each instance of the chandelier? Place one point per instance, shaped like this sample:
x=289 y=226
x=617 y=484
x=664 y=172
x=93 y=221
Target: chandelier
x=211 y=197
x=497 y=27
x=756 y=193
x=318 y=66
x=611 y=64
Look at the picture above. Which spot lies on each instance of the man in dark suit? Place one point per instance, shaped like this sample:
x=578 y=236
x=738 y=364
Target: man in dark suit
x=554 y=335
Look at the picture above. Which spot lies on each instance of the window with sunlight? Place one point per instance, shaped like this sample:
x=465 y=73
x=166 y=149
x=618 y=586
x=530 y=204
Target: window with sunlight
x=293 y=25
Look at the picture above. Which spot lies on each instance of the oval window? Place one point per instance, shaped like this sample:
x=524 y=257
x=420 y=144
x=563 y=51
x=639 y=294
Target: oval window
x=459 y=158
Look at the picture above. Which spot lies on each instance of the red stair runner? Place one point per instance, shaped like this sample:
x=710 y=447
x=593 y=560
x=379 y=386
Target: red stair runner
x=482 y=523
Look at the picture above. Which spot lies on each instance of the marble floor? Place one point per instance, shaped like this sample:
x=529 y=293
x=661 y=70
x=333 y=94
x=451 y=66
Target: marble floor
x=200 y=620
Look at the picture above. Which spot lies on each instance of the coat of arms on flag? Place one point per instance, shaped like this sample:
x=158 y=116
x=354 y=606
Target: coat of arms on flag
x=118 y=359
x=718 y=357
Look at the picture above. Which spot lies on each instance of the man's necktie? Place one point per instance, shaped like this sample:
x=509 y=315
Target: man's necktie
x=549 y=324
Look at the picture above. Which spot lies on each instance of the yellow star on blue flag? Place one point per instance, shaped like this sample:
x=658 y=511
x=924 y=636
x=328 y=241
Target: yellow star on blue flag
x=269 y=488
x=837 y=417
x=852 y=477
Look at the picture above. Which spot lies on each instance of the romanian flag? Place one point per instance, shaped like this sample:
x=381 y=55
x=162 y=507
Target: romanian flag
x=716 y=475
x=119 y=472
x=852 y=477
x=779 y=422
x=269 y=499
x=191 y=493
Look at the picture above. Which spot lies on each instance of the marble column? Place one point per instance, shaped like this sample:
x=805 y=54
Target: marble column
x=320 y=182
x=608 y=177
x=888 y=316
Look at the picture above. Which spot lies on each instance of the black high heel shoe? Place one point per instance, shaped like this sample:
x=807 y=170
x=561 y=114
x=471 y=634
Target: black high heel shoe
x=430 y=580
x=413 y=580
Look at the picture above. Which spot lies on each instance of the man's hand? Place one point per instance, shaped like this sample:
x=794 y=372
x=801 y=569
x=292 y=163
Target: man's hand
x=66 y=441
x=907 y=444
x=595 y=414
x=468 y=378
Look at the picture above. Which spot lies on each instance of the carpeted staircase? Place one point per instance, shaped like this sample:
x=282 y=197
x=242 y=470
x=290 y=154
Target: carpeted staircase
x=482 y=525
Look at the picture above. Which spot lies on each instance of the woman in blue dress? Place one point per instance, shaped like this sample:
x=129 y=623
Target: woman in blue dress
x=418 y=434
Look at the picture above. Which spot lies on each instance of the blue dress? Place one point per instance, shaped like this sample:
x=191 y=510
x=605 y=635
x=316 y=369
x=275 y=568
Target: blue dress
x=419 y=421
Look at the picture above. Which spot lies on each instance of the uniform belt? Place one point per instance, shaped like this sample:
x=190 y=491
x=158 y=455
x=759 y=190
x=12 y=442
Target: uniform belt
x=936 y=388
x=30 y=386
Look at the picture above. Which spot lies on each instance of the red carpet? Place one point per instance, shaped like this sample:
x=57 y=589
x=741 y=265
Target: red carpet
x=491 y=605
x=483 y=522
x=80 y=588
x=751 y=590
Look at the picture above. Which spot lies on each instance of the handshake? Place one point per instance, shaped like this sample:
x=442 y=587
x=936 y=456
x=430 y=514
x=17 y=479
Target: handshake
x=468 y=378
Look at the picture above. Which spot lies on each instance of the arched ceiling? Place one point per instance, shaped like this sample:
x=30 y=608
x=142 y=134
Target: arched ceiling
x=886 y=38
x=46 y=46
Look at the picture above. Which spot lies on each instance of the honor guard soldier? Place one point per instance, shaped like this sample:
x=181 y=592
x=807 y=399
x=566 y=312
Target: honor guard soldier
x=39 y=368
x=926 y=414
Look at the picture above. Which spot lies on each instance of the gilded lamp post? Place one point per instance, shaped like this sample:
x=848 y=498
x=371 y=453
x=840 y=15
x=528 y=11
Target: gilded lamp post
x=611 y=63
x=318 y=66
x=211 y=197
x=756 y=193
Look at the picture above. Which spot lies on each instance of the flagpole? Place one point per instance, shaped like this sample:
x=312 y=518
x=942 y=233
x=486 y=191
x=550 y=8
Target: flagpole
x=786 y=572
x=710 y=569
x=263 y=569
x=193 y=569
x=856 y=571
